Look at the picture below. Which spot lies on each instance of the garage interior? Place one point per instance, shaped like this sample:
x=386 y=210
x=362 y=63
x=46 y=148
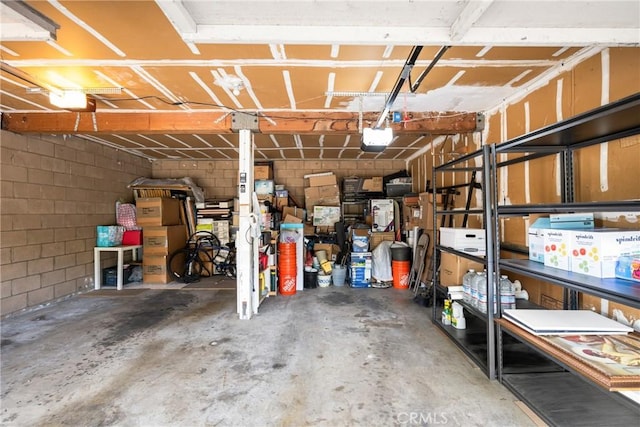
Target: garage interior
x=169 y=89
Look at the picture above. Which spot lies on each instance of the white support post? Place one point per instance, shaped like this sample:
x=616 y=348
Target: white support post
x=245 y=281
x=255 y=257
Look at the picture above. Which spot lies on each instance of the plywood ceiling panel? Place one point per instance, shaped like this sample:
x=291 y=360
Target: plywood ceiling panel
x=154 y=55
x=527 y=53
x=334 y=141
x=141 y=22
x=231 y=52
x=269 y=86
x=76 y=41
x=490 y=76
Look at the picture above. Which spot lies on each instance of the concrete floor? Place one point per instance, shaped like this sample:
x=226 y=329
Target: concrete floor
x=324 y=357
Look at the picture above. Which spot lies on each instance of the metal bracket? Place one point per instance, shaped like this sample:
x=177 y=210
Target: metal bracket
x=479 y=122
x=241 y=121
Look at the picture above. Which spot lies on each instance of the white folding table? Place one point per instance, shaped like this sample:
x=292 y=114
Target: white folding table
x=120 y=250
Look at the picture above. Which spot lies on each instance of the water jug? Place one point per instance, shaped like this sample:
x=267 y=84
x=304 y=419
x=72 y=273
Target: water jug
x=479 y=284
x=507 y=293
x=466 y=285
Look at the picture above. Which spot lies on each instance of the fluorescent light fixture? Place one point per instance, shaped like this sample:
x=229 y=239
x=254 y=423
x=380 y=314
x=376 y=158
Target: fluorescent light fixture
x=376 y=139
x=68 y=99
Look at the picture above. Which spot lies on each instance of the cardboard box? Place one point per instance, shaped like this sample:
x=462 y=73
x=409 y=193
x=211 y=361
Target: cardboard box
x=468 y=240
x=411 y=216
x=324 y=229
x=453 y=267
x=595 y=252
x=557 y=248
x=439 y=198
x=328 y=191
x=321 y=179
x=282 y=202
x=295 y=211
x=536 y=239
x=325 y=195
x=164 y=240
x=262 y=172
x=381 y=236
x=426 y=211
x=282 y=199
x=156 y=211
x=290 y=219
x=326 y=216
x=411 y=199
x=331 y=250
x=360 y=239
x=322 y=192
x=373 y=184
x=154 y=269
x=382 y=211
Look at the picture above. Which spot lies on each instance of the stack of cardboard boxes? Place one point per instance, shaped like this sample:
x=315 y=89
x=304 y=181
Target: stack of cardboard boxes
x=162 y=235
x=322 y=201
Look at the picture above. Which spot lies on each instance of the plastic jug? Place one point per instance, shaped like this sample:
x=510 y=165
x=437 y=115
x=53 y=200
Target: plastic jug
x=466 y=285
x=507 y=293
x=480 y=285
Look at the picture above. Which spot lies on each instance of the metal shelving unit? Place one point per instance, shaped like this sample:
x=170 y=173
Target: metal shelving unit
x=564 y=395
x=478 y=339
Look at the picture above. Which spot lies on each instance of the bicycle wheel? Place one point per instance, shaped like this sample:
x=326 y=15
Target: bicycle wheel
x=184 y=265
x=230 y=269
x=202 y=240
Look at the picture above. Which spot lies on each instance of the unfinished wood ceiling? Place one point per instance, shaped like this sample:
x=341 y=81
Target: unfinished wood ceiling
x=167 y=76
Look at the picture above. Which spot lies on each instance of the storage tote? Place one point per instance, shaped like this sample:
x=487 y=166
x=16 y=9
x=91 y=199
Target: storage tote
x=109 y=235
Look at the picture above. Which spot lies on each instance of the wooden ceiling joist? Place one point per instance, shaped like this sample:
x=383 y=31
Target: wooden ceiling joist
x=220 y=123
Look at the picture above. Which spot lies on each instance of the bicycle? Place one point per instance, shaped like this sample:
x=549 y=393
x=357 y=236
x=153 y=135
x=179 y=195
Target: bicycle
x=203 y=256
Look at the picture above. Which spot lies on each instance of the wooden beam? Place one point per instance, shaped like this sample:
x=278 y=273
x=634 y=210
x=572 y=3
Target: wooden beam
x=348 y=123
x=119 y=123
x=220 y=123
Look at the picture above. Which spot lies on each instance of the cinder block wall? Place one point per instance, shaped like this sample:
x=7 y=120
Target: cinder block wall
x=219 y=177
x=54 y=192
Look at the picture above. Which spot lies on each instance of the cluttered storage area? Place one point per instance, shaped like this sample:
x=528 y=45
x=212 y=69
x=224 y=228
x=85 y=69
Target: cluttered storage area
x=354 y=231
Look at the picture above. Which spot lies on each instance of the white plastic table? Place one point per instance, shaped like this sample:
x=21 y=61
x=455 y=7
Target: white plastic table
x=97 y=270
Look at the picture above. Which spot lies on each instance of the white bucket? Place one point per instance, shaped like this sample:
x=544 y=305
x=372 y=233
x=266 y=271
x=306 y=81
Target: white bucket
x=324 y=280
